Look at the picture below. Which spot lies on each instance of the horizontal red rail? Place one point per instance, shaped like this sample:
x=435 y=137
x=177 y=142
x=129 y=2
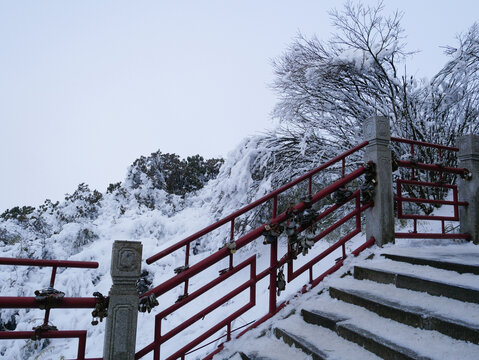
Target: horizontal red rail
x=430 y=167
x=428 y=217
x=13 y=302
x=431 y=236
x=57 y=334
x=50 y=263
x=423 y=143
x=430 y=201
x=208 y=286
x=254 y=204
x=426 y=183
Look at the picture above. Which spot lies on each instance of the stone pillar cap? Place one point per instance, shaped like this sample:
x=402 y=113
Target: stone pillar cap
x=376 y=127
x=126 y=259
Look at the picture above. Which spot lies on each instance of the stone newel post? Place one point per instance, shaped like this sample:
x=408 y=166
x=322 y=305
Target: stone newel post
x=120 y=334
x=380 y=218
x=469 y=189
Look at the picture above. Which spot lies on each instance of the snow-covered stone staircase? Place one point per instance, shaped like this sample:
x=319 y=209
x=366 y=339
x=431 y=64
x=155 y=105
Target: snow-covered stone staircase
x=401 y=303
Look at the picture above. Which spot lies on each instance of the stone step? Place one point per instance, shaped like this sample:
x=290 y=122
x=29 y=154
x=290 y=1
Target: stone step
x=301 y=343
x=409 y=315
x=439 y=264
x=416 y=283
x=252 y=356
x=260 y=346
x=380 y=346
x=316 y=341
x=381 y=335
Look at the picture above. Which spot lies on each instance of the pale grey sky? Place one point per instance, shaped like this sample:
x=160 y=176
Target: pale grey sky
x=88 y=86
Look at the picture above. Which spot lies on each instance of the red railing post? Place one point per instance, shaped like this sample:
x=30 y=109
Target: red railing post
x=273 y=265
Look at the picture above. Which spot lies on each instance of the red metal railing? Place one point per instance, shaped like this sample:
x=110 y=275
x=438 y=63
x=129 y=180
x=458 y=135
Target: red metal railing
x=400 y=199
x=189 y=271
x=43 y=331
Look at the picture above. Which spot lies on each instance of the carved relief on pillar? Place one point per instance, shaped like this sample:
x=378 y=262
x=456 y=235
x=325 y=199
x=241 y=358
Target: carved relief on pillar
x=126 y=259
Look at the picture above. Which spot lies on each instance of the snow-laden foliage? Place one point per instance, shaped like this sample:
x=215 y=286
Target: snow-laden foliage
x=328 y=88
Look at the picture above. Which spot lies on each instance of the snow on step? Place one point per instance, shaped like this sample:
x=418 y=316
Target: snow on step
x=431 y=344
x=266 y=347
x=436 y=305
x=334 y=346
x=467 y=254
x=423 y=271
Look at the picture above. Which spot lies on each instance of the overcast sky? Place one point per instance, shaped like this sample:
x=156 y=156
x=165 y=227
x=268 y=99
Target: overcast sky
x=86 y=87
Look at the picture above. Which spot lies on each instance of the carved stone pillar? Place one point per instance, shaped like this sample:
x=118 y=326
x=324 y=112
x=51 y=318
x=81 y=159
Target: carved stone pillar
x=121 y=322
x=469 y=189
x=380 y=218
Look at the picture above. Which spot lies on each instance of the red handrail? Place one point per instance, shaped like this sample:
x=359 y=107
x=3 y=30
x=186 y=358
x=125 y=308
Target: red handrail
x=14 y=302
x=423 y=143
x=49 y=263
x=190 y=271
x=254 y=204
x=431 y=167
x=246 y=239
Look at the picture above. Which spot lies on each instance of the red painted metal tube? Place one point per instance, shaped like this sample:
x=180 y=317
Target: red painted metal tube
x=273 y=276
x=321 y=256
x=54 y=263
x=364 y=246
x=13 y=302
x=338 y=223
x=430 y=201
x=336 y=266
x=425 y=183
x=201 y=314
x=254 y=204
x=329 y=210
x=430 y=167
x=293 y=274
x=210 y=332
x=356 y=252
x=422 y=143
x=331 y=270
x=246 y=239
x=430 y=236
x=427 y=217
x=147 y=349
x=57 y=334
x=250 y=261
x=268 y=316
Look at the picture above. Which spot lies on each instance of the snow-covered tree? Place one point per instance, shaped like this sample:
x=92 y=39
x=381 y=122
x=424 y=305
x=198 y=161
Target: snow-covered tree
x=328 y=88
